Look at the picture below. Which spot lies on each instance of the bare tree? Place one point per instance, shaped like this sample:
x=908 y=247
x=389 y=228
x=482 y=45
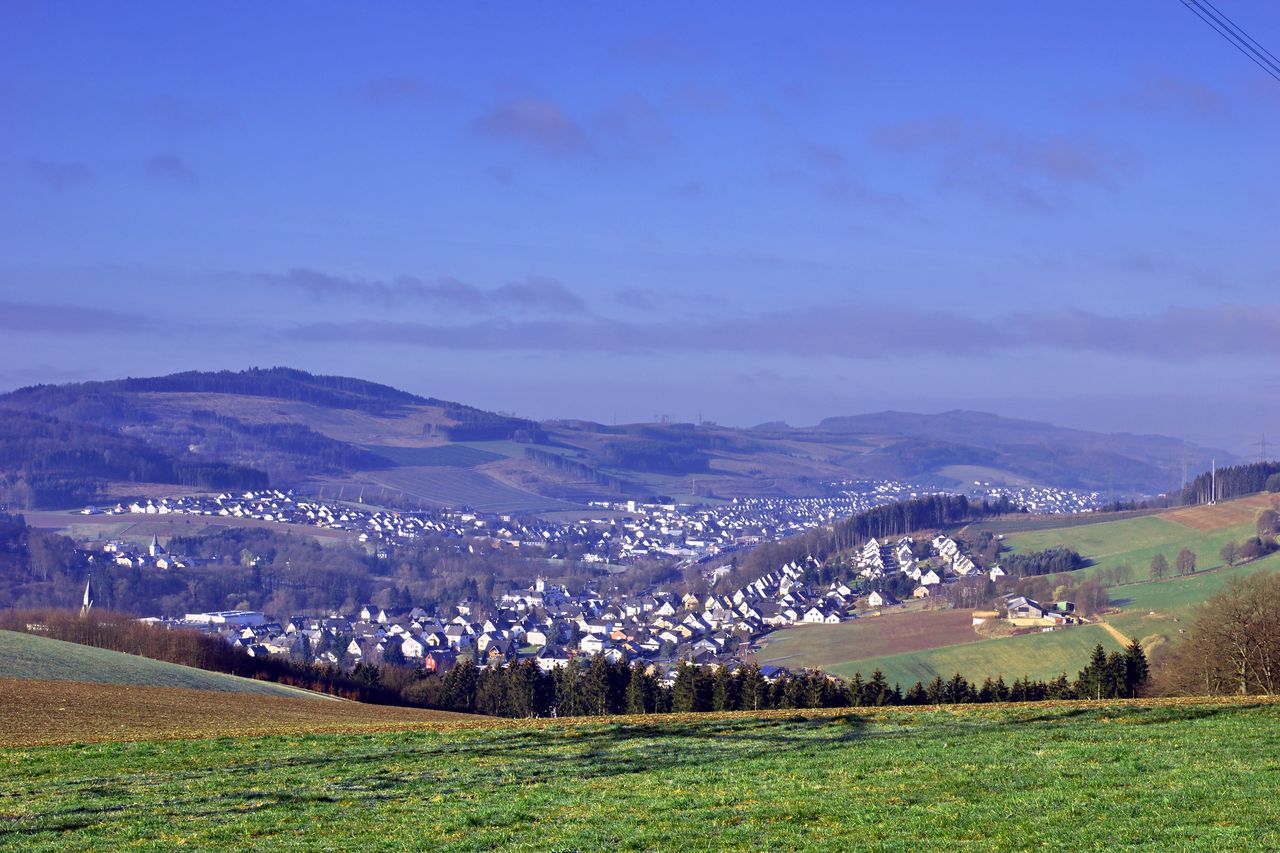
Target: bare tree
x=1234 y=645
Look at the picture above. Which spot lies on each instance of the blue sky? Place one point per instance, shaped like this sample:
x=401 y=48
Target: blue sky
x=745 y=212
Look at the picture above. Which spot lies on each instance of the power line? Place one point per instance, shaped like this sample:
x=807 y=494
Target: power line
x=1239 y=39
x=1252 y=41
x=1233 y=33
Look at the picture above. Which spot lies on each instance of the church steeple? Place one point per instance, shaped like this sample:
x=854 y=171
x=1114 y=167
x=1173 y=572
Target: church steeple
x=87 y=604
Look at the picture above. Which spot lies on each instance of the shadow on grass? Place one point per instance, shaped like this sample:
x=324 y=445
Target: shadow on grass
x=468 y=769
x=470 y=766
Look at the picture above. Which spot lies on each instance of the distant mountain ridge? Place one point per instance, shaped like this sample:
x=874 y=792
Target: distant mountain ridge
x=66 y=444
x=282 y=383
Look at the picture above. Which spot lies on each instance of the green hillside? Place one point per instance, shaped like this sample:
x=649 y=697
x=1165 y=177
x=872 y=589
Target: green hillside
x=1134 y=541
x=28 y=656
x=1162 y=608
x=1137 y=775
x=1039 y=656
x=1151 y=611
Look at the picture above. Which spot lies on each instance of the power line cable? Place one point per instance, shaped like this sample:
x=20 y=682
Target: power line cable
x=1252 y=41
x=1239 y=42
x=1236 y=41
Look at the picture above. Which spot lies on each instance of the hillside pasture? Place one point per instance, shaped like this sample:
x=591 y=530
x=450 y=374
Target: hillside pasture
x=1228 y=514
x=140 y=528
x=461 y=487
x=830 y=646
x=1119 y=775
x=52 y=712
x=441 y=455
x=27 y=656
x=1136 y=541
x=1166 y=607
x=1039 y=656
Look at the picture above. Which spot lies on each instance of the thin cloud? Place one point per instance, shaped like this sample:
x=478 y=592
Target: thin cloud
x=394 y=90
x=179 y=115
x=69 y=319
x=843 y=331
x=536 y=122
x=664 y=49
x=825 y=169
x=539 y=294
x=701 y=98
x=534 y=293
x=995 y=164
x=633 y=123
x=172 y=169
x=1167 y=96
x=61 y=176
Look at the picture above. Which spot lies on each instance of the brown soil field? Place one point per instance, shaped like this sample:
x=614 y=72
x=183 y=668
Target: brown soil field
x=132 y=526
x=1222 y=515
x=50 y=713
x=37 y=713
x=894 y=632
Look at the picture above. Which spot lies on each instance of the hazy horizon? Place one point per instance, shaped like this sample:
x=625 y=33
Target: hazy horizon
x=1042 y=212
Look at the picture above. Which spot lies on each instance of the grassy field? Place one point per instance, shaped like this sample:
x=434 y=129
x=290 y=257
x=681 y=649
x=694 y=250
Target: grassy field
x=1163 y=608
x=441 y=455
x=140 y=528
x=1203 y=529
x=1135 y=541
x=28 y=656
x=1154 y=612
x=1138 y=775
x=62 y=712
x=1040 y=656
x=828 y=646
x=462 y=486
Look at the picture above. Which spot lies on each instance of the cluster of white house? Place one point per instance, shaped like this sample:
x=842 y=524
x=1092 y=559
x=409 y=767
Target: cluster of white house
x=628 y=532
x=1042 y=500
x=877 y=560
x=551 y=625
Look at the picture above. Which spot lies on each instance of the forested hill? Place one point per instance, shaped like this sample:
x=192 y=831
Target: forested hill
x=65 y=445
x=1041 y=452
x=1232 y=482
x=281 y=383
x=85 y=442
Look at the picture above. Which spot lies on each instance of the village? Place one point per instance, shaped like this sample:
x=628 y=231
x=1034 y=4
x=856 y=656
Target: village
x=611 y=534
x=552 y=625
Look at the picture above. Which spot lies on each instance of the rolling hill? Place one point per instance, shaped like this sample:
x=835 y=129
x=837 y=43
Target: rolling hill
x=1150 y=775
x=69 y=445
x=25 y=656
x=917 y=646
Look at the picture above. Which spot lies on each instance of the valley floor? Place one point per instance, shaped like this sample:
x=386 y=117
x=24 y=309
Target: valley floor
x=1171 y=774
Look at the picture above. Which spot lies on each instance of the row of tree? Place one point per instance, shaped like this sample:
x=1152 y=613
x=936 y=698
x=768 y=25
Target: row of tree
x=592 y=686
x=122 y=633
x=1232 y=482
x=1233 y=645
x=47 y=462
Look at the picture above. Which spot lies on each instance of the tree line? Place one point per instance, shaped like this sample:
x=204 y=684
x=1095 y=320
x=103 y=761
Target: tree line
x=122 y=633
x=317 y=452
x=47 y=462
x=281 y=383
x=582 y=687
x=902 y=518
x=1232 y=482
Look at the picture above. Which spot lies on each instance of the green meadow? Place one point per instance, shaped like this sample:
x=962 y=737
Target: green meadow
x=1134 y=541
x=29 y=656
x=1037 y=656
x=1111 y=776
